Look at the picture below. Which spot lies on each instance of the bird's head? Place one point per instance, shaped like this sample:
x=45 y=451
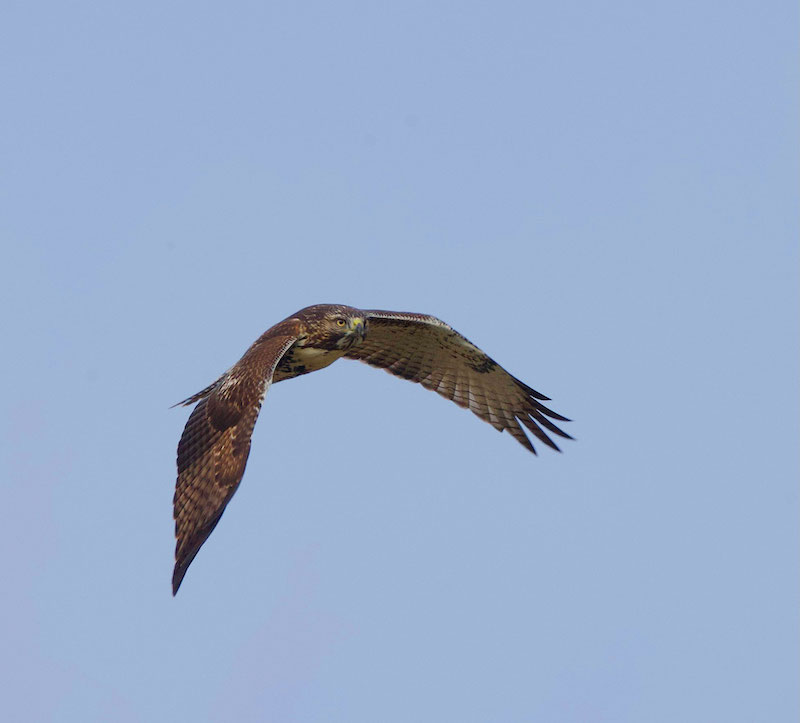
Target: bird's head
x=333 y=326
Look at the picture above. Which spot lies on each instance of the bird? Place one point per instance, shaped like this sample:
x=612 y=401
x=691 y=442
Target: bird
x=215 y=444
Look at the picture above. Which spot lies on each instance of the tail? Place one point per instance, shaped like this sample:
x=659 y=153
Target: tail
x=200 y=395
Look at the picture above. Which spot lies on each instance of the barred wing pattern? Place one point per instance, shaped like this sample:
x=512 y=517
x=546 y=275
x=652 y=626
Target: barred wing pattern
x=215 y=444
x=424 y=349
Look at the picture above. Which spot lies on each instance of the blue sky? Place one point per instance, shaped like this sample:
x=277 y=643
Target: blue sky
x=603 y=196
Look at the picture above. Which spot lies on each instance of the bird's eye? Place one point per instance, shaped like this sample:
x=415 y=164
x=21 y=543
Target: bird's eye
x=340 y=322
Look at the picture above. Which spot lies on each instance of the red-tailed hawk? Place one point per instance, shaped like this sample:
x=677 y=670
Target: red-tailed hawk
x=213 y=450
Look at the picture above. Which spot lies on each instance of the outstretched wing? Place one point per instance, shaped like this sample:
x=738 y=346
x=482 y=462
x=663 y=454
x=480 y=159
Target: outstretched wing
x=424 y=349
x=215 y=444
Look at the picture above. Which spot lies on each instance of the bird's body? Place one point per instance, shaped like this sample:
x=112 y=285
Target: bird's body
x=303 y=360
x=215 y=444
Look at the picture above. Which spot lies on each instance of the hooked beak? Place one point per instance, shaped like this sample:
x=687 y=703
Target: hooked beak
x=359 y=326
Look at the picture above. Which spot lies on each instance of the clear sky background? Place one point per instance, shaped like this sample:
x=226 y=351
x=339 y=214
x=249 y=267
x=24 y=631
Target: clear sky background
x=603 y=196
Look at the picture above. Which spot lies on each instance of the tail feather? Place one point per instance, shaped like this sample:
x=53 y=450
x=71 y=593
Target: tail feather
x=202 y=394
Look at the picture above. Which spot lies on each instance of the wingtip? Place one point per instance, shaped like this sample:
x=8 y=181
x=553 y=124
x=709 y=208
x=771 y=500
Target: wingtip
x=177 y=579
x=553 y=445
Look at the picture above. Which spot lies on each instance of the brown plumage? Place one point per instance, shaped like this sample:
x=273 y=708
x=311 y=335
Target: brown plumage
x=215 y=444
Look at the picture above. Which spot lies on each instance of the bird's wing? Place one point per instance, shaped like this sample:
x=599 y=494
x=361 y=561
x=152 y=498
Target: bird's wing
x=424 y=349
x=213 y=450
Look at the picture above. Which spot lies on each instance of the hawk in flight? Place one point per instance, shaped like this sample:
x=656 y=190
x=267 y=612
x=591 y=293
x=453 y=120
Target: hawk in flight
x=215 y=443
